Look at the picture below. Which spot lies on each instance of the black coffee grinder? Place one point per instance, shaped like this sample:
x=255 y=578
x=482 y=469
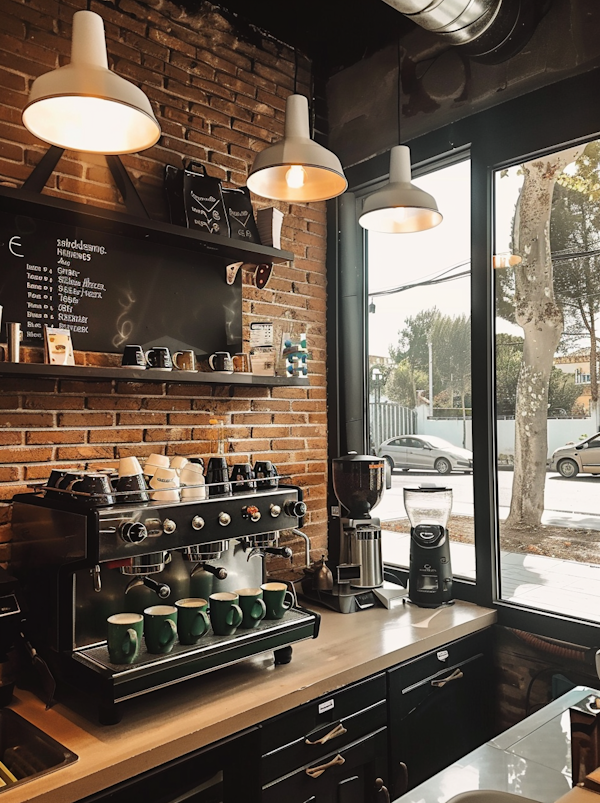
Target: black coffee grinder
x=430 y=571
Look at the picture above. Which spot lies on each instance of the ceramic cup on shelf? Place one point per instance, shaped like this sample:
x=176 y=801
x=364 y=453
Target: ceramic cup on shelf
x=278 y=599
x=184 y=360
x=153 y=462
x=159 y=358
x=221 y=361
x=225 y=613
x=192 y=619
x=252 y=606
x=242 y=478
x=130 y=484
x=165 y=485
x=97 y=484
x=192 y=482
x=160 y=628
x=240 y=363
x=124 y=637
x=133 y=357
x=178 y=462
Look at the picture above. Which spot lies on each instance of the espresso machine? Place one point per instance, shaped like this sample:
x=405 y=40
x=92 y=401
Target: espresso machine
x=430 y=571
x=358 y=483
x=79 y=562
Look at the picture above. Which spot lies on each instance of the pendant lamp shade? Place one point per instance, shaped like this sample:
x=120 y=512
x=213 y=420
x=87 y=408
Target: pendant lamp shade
x=400 y=207
x=84 y=106
x=296 y=168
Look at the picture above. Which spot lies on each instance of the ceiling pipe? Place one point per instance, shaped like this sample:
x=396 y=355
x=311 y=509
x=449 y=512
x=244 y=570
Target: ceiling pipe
x=492 y=30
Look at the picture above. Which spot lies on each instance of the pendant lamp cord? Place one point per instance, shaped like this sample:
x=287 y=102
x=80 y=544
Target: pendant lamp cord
x=398 y=93
x=295 y=71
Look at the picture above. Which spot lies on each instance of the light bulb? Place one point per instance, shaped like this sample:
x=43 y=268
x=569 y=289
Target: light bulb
x=399 y=214
x=295 y=177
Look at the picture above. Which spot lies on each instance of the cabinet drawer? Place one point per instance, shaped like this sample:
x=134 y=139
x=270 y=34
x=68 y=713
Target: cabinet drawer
x=298 y=753
x=364 y=761
x=294 y=725
x=433 y=723
x=438 y=663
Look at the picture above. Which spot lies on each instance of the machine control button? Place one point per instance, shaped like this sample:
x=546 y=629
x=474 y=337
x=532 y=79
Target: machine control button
x=197 y=522
x=251 y=512
x=133 y=532
x=154 y=526
x=224 y=519
x=169 y=526
x=295 y=507
x=275 y=510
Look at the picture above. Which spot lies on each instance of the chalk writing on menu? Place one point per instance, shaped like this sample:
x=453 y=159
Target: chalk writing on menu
x=110 y=288
x=54 y=293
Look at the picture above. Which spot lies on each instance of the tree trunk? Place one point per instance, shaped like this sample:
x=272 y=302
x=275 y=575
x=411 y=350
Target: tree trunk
x=538 y=314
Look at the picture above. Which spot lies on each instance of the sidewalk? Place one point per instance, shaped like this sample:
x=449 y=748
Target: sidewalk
x=560 y=586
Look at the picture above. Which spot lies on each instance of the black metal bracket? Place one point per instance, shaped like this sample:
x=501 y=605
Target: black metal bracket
x=40 y=174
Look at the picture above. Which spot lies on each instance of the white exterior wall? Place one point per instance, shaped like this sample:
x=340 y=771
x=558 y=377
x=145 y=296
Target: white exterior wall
x=560 y=431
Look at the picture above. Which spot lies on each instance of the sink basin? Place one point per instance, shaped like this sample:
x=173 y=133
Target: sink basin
x=489 y=796
x=26 y=751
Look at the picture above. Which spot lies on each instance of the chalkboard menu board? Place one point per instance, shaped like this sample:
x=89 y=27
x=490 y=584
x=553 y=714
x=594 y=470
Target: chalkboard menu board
x=112 y=281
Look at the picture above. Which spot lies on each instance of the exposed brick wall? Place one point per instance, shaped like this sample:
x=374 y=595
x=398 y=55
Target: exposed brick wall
x=219 y=95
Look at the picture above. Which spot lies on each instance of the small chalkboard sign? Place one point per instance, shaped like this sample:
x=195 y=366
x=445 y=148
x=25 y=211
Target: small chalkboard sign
x=111 y=281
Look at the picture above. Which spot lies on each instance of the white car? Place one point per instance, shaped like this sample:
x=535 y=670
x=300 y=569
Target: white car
x=575 y=457
x=425 y=452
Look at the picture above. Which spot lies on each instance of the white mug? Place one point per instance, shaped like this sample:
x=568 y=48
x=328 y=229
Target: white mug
x=178 y=463
x=192 y=475
x=129 y=467
x=165 y=484
x=155 y=461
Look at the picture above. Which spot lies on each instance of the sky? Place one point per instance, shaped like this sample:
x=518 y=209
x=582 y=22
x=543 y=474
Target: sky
x=395 y=259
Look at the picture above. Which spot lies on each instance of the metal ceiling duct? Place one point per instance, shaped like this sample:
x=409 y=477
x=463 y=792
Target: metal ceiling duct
x=495 y=29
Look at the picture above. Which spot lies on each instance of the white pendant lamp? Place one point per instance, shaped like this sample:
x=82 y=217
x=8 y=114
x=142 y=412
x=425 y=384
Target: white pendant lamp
x=84 y=106
x=400 y=207
x=296 y=168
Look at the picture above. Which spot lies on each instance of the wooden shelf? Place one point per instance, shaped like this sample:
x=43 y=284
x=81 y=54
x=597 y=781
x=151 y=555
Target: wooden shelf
x=149 y=375
x=230 y=250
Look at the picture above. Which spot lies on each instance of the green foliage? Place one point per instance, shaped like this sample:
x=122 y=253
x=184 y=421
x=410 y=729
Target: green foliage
x=451 y=348
x=403 y=383
x=562 y=390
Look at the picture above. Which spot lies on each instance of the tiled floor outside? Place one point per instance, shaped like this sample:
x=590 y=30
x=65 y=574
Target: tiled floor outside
x=561 y=586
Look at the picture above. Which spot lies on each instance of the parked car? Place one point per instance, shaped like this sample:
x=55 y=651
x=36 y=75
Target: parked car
x=425 y=452
x=584 y=456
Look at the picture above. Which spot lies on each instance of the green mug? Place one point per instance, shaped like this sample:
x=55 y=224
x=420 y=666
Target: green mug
x=124 y=637
x=192 y=619
x=278 y=599
x=225 y=613
x=252 y=606
x=160 y=628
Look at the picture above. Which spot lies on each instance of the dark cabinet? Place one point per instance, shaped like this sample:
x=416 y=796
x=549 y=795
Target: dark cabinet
x=331 y=750
x=225 y=772
x=440 y=708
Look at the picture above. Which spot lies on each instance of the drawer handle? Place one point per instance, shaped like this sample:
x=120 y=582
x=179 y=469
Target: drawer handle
x=339 y=730
x=456 y=675
x=315 y=772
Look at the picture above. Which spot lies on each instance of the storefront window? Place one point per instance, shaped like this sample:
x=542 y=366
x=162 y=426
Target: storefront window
x=547 y=260
x=419 y=362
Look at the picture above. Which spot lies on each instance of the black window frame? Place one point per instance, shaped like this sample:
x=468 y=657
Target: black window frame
x=535 y=124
